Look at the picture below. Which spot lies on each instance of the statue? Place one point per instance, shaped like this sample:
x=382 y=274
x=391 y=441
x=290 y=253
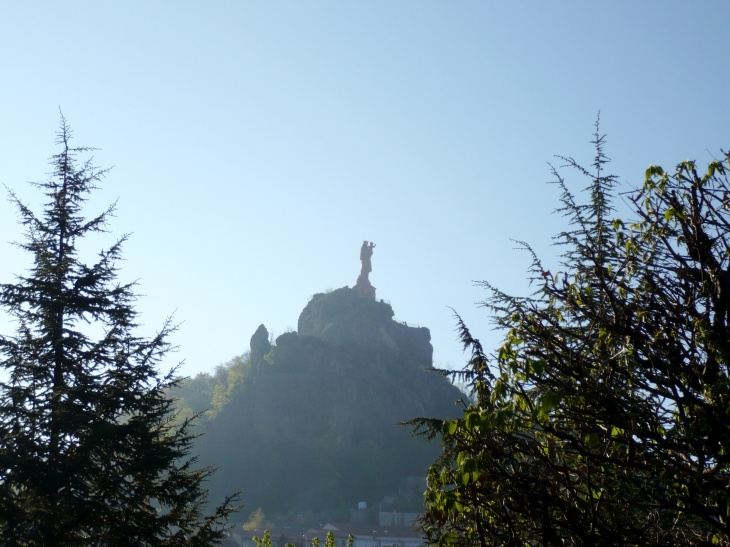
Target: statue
x=366 y=251
x=363 y=286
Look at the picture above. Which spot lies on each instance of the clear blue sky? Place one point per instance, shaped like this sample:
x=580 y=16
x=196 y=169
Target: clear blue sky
x=256 y=144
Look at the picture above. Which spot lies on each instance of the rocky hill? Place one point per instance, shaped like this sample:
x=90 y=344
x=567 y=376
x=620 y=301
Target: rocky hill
x=315 y=425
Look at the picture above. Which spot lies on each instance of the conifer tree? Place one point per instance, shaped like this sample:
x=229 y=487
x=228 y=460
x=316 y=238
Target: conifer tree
x=90 y=454
x=603 y=417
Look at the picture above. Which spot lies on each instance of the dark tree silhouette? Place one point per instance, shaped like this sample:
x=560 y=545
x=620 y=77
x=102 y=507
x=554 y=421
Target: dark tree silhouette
x=90 y=452
x=603 y=418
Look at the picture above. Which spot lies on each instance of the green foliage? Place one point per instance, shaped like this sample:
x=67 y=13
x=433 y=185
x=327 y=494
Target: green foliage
x=256 y=521
x=90 y=453
x=602 y=419
x=206 y=394
x=266 y=540
x=330 y=541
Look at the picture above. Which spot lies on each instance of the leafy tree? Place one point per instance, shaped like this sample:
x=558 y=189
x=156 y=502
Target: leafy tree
x=330 y=541
x=603 y=418
x=256 y=521
x=207 y=394
x=89 y=451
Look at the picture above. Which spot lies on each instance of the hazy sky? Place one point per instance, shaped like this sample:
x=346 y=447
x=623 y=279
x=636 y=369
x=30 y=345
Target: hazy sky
x=256 y=144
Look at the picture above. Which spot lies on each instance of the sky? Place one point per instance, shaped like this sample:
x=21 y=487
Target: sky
x=255 y=145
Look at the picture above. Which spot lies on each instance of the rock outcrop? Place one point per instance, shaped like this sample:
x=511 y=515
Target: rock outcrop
x=318 y=427
x=260 y=345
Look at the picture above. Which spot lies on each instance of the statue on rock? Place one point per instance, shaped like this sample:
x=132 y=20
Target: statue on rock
x=366 y=251
x=363 y=287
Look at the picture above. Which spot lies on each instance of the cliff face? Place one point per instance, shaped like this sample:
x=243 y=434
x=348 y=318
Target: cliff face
x=317 y=428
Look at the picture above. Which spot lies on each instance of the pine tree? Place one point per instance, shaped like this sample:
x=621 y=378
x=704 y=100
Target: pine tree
x=603 y=417
x=89 y=451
